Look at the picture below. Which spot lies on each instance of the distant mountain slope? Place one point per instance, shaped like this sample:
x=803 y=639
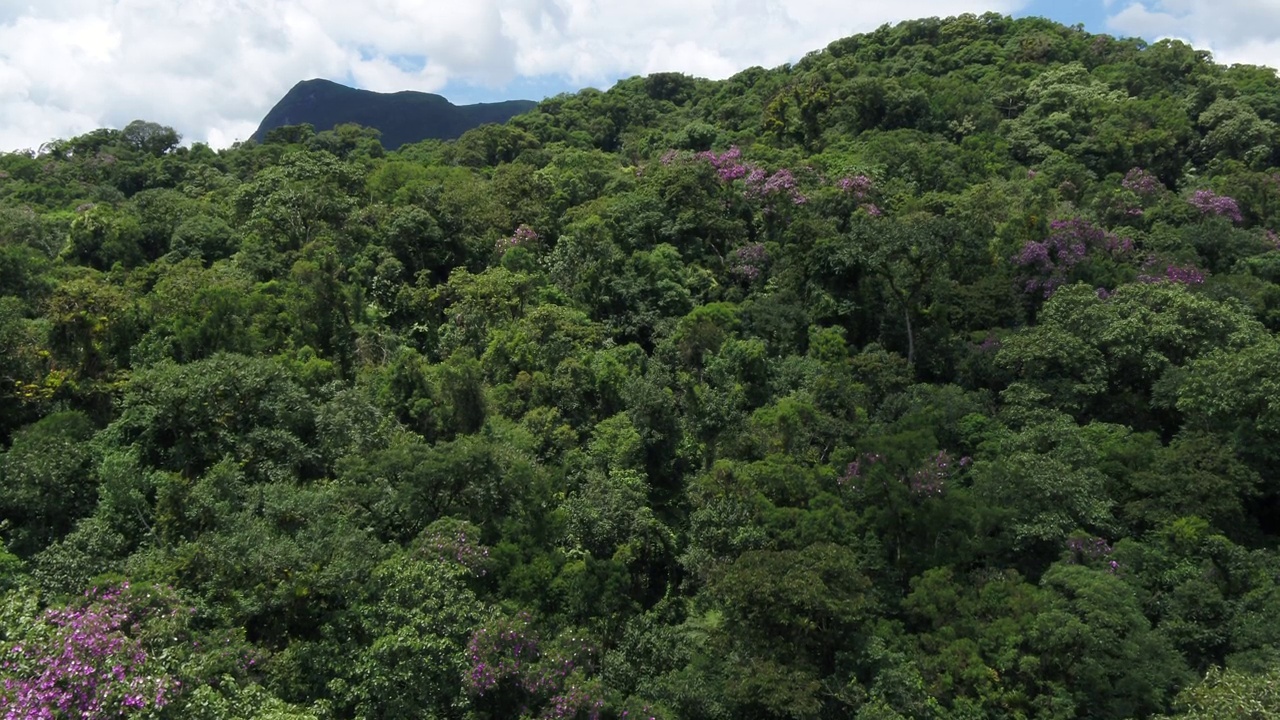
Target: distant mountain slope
x=403 y=117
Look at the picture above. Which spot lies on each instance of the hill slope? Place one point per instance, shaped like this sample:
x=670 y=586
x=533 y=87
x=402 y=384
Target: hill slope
x=936 y=375
x=403 y=117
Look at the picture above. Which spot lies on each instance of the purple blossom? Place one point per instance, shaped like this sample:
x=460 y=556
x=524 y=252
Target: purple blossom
x=1210 y=203
x=749 y=261
x=859 y=186
x=1142 y=183
x=1051 y=261
x=1180 y=274
x=83 y=662
x=758 y=183
x=506 y=652
x=931 y=479
x=457 y=542
x=1089 y=548
x=524 y=236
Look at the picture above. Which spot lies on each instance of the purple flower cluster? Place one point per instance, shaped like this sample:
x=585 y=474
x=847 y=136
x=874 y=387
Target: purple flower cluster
x=860 y=187
x=759 y=183
x=497 y=651
x=855 y=469
x=507 y=652
x=1093 y=548
x=460 y=547
x=728 y=164
x=571 y=702
x=524 y=236
x=1182 y=275
x=749 y=261
x=1210 y=203
x=931 y=480
x=1068 y=244
x=1089 y=547
x=83 y=662
x=1142 y=183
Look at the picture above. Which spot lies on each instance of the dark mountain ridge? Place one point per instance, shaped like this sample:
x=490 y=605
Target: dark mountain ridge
x=402 y=117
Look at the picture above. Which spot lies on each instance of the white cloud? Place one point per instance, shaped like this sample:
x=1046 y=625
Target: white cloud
x=212 y=68
x=1235 y=31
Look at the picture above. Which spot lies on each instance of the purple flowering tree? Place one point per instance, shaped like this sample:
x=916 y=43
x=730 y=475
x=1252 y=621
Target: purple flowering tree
x=83 y=661
x=455 y=541
x=1138 y=190
x=122 y=651
x=860 y=188
x=513 y=673
x=930 y=479
x=1211 y=204
x=1088 y=550
x=524 y=236
x=1142 y=183
x=1179 y=274
x=756 y=182
x=749 y=261
x=1052 y=262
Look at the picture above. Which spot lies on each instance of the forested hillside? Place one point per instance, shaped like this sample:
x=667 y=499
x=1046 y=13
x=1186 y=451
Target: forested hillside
x=935 y=376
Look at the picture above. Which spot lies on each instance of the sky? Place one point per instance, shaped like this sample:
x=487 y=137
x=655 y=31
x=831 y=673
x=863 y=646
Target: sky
x=212 y=68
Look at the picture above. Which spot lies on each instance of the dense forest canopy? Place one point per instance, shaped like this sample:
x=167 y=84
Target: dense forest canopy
x=933 y=376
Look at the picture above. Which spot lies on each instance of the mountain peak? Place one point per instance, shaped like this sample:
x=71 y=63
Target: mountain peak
x=402 y=117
